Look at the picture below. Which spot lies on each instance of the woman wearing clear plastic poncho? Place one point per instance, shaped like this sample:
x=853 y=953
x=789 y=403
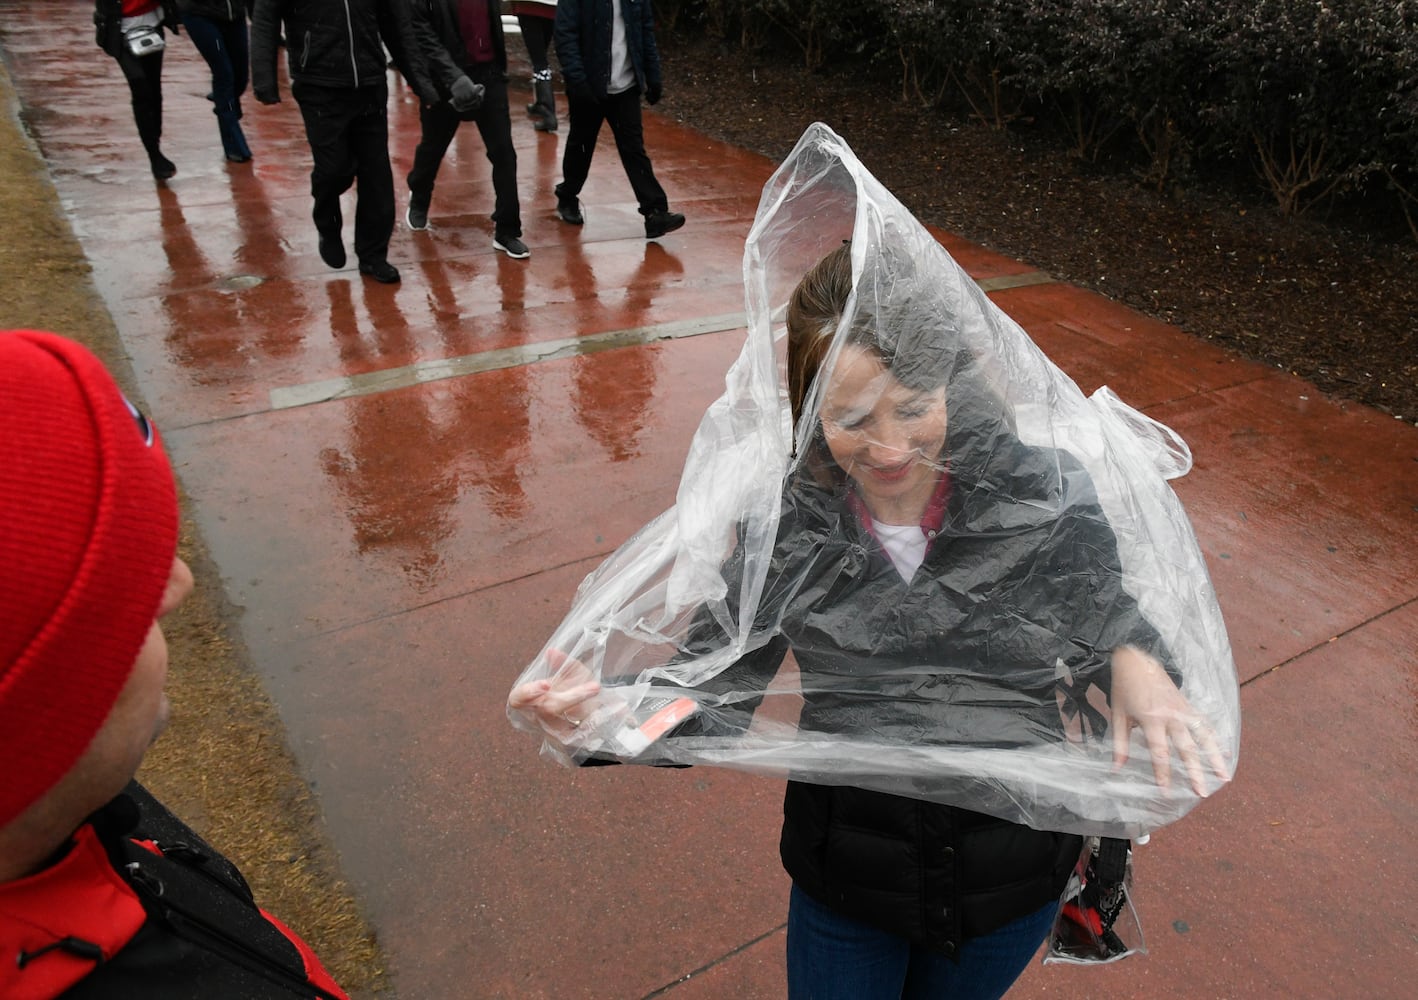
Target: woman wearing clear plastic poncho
x=1003 y=636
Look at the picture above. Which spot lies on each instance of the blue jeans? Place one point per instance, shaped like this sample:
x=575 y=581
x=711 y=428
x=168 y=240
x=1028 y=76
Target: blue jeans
x=832 y=957
x=224 y=45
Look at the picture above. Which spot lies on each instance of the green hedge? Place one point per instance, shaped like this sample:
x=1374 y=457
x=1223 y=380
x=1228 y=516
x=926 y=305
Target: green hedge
x=1315 y=99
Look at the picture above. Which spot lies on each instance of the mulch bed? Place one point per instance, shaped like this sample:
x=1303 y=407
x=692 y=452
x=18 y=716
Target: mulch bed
x=1334 y=305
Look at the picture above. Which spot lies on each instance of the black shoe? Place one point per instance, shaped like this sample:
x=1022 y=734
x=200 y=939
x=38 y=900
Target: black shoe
x=569 y=211
x=163 y=168
x=380 y=270
x=657 y=224
x=512 y=246
x=332 y=251
x=417 y=215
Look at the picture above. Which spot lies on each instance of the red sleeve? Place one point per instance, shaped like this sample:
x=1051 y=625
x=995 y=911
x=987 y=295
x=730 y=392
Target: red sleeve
x=314 y=971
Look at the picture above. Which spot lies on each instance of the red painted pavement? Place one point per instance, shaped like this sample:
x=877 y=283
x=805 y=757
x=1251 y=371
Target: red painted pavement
x=398 y=556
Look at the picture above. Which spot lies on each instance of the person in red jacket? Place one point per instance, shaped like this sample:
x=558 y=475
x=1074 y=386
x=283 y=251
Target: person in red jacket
x=131 y=31
x=103 y=891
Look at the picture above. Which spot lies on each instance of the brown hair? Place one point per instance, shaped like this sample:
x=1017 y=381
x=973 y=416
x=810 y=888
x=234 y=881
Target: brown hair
x=910 y=330
x=813 y=313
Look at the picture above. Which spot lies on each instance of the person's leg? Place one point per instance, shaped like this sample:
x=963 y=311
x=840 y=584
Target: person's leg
x=537 y=33
x=986 y=967
x=211 y=40
x=438 y=124
x=143 y=75
x=623 y=113
x=374 y=207
x=206 y=34
x=495 y=127
x=239 y=52
x=586 y=117
x=832 y=957
x=327 y=113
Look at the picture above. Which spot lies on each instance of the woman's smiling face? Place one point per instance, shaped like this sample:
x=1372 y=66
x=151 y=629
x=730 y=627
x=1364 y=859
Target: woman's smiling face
x=886 y=436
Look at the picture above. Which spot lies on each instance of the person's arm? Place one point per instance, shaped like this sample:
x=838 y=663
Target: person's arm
x=1130 y=661
x=1145 y=696
x=439 y=67
x=265 y=29
x=573 y=707
x=396 y=28
x=650 y=55
x=108 y=30
x=567 y=33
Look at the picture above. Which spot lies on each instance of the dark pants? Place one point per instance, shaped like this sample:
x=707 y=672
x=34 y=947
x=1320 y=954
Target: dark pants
x=622 y=113
x=224 y=45
x=440 y=123
x=537 y=32
x=144 y=76
x=348 y=132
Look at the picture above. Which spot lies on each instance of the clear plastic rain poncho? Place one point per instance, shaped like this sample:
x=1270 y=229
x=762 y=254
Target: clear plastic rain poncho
x=763 y=624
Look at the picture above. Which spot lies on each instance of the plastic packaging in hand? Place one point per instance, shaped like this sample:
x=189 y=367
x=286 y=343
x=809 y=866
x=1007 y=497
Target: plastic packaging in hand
x=965 y=656
x=1097 y=923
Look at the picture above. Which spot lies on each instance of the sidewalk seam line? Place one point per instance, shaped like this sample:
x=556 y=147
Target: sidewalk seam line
x=709 y=965
x=438 y=369
x=600 y=556
x=1334 y=638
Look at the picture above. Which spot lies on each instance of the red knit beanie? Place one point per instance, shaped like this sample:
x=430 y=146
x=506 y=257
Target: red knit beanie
x=88 y=531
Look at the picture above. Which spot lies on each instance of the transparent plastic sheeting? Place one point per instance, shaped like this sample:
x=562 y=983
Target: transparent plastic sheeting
x=762 y=620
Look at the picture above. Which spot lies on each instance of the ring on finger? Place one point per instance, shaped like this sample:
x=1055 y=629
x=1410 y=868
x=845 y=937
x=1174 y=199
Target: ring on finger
x=574 y=723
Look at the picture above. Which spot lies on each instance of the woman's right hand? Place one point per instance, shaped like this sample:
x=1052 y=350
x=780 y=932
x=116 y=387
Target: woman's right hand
x=563 y=702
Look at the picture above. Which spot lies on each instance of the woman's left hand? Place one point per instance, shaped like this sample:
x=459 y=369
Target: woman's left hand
x=1144 y=696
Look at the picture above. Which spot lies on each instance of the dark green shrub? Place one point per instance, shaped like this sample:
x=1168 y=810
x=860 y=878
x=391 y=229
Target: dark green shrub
x=1296 y=94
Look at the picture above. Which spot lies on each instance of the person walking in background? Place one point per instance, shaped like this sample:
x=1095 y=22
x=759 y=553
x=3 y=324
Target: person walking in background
x=218 y=29
x=131 y=31
x=103 y=891
x=335 y=49
x=537 y=19
x=461 y=52
x=608 y=59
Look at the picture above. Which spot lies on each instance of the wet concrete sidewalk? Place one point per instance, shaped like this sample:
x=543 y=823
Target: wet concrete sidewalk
x=403 y=486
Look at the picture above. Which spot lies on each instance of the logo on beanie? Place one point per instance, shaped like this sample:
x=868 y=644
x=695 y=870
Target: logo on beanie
x=144 y=428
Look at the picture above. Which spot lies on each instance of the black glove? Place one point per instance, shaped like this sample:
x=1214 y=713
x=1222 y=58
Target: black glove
x=467 y=95
x=652 y=93
x=580 y=91
x=272 y=96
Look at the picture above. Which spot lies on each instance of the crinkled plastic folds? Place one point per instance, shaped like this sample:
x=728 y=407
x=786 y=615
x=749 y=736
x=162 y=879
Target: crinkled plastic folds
x=762 y=596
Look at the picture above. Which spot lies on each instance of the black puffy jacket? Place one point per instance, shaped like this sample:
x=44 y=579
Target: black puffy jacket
x=1015 y=581
x=141 y=907
x=330 y=43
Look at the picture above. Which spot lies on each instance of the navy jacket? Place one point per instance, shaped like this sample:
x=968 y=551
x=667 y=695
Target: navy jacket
x=583 y=43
